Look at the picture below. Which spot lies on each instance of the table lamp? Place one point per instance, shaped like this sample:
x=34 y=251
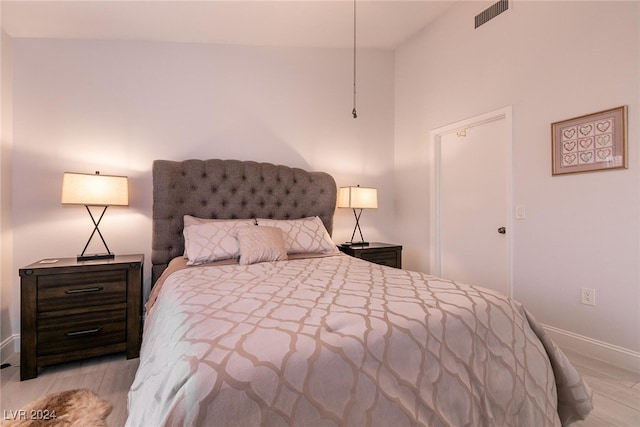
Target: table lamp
x=357 y=198
x=95 y=190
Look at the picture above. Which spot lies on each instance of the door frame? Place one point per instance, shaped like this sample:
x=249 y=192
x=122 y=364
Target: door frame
x=435 y=141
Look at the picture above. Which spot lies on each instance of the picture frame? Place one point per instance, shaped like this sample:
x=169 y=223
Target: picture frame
x=592 y=142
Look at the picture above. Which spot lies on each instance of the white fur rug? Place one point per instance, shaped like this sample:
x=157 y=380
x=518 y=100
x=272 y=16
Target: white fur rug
x=71 y=408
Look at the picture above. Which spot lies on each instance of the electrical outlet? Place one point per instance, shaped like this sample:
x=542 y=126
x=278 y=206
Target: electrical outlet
x=588 y=296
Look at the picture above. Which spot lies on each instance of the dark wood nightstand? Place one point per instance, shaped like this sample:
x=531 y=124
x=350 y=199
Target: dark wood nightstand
x=73 y=310
x=379 y=253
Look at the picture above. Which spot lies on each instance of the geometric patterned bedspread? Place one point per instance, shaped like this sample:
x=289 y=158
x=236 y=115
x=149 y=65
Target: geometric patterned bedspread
x=341 y=341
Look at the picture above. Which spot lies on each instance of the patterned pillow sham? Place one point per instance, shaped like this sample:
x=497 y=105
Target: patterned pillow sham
x=193 y=220
x=260 y=244
x=211 y=240
x=304 y=235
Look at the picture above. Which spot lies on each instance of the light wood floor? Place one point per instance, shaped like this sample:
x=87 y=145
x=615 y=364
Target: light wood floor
x=616 y=392
x=109 y=377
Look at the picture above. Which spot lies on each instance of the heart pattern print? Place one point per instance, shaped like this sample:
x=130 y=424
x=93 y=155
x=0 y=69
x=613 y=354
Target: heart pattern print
x=587 y=143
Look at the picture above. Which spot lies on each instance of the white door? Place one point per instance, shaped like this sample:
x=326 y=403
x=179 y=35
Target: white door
x=473 y=203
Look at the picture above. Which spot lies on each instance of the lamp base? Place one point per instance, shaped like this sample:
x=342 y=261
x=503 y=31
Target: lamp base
x=355 y=244
x=95 y=256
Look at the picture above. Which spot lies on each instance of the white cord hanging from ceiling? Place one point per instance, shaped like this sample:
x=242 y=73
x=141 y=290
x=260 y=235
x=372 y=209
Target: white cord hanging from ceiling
x=354 y=112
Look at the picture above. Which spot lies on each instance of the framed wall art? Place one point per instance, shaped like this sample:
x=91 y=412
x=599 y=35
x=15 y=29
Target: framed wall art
x=591 y=142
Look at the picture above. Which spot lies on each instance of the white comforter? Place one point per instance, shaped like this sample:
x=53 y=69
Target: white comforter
x=340 y=341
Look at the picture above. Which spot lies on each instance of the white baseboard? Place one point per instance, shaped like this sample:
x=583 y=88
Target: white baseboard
x=599 y=350
x=9 y=347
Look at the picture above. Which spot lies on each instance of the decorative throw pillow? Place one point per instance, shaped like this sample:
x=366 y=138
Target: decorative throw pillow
x=260 y=244
x=304 y=235
x=212 y=240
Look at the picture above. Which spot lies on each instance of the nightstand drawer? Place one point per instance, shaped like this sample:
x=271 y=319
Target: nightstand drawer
x=384 y=258
x=386 y=254
x=65 y=334
x=65 y=291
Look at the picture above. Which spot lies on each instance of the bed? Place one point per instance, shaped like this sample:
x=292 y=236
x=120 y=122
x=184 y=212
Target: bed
x=279 y=328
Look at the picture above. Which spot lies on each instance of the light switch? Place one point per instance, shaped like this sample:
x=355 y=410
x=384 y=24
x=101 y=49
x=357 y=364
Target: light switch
x=521 y=212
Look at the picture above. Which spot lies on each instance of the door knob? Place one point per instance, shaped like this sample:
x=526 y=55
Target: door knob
x=502 y=230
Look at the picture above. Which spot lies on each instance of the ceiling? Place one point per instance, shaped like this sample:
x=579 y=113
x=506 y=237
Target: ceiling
x=321 y=23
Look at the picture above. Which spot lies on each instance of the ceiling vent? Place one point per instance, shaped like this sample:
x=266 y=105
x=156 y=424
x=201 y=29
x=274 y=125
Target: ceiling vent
x=491 y=12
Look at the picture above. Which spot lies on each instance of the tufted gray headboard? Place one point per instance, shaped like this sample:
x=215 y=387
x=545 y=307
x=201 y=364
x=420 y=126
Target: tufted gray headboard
x=228 y=189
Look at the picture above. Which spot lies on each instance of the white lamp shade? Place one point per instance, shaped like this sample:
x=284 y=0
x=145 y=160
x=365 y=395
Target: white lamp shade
x=95 y=189
x=358 y=198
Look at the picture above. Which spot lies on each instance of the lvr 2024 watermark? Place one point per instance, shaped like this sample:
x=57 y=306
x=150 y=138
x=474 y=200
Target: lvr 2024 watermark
x=28 y=414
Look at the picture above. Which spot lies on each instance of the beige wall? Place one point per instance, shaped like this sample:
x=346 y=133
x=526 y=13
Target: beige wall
x=6 y=240
x=551 y=61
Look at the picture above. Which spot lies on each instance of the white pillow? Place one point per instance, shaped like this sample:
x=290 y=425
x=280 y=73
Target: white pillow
x=211 y=240
x=260 y=244
x=304 y=235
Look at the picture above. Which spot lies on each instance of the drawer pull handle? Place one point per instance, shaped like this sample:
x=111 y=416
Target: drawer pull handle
x=84 y=290
x=87 y=332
